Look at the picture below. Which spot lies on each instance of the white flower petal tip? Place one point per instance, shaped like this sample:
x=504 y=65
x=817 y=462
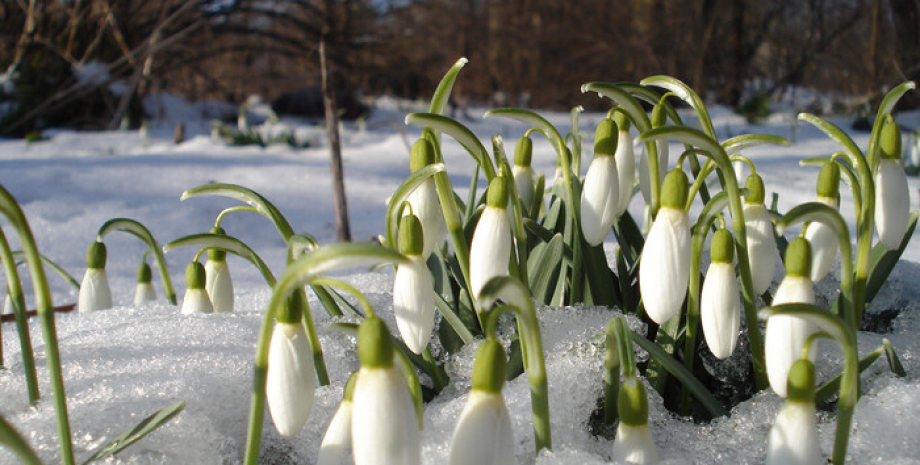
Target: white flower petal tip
x=720 y=309
x=219 y=285
x=823 y=249
x=290 y=380
x=761 y=246
x=384 y=428
x=427 y=207
x=413 y=304
x=786 y=335
x=490 y=249
x=336 y=446
x=144 y=294
x=794 y=438
x=634 y=444
x=599 y=199
x=626 y=170
x=483 y=435
x=196 y=301
x=892 y=203
x=664 y=271
x=94 y=291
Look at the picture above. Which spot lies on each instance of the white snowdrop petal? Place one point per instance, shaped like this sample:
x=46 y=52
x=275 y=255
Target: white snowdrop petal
x=144 y=293
x=196 y=301
x=634 y=444
x=219 y=285
x=599 y=199
x=413 y=304
x=626 y=170
x=336 y=446
x=94 y=291
x=490 y=249
x=761 y=246
x=892 y=203
x=525 y=182
x=483 y=435
x=290 y=380
x=8 y=305
x=427 y=207
x=720 y=309
x=664 y=271
x=823 y=249
x=786 y=335
x=794 y=438
x=384 y=429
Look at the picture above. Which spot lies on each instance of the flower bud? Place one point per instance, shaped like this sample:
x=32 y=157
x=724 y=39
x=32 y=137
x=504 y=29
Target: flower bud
x=890 y=140
x=290 y=381
x=375 y=349
x=144 y=292
x=523 y=151
x=605 y=138
x=664 y=271
x=196 y=296
x=892 y=202
x=599 y=197
x=490 y=249
x=794 y=438
x=96 y=255
x=633 y=442
x=720 y=301
x=489 y=367
x=756 y=193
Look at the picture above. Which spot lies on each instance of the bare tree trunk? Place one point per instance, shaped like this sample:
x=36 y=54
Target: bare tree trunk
x=335 y=150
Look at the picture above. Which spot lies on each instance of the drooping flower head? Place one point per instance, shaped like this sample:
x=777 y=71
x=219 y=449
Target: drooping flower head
x=483 y=434
x=290 y=382
x=490 y=250
x=761 y=243
x=335 y=448
x=218 y=281
x=413 y=290
x=892 y=197
x=633 y=442
x=94 y=290
x=664 y=271
x=525 y=179
x=794 y=438
x=196 y=297
x=626 y=163
x=601 y=188
x=144 y=292
x=786 y=335
x=424 y=199
x=384 y=428
x=720 y=302
x=823 y=239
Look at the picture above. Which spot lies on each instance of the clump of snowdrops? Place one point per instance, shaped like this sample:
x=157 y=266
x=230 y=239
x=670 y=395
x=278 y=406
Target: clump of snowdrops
x=525 y=242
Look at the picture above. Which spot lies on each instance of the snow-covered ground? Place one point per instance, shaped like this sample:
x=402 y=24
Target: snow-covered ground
x=121 y=365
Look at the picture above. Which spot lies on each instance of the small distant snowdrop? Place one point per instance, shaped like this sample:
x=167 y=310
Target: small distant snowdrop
x=196 y=298
x=94 y=290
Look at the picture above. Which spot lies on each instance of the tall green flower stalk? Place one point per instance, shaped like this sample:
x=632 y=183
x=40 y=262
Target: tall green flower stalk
x=17 y=297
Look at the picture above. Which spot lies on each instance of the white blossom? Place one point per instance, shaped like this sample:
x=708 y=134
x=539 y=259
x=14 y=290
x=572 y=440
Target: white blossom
x=94 y=291
x=483 y=435
x=413 y=303
x=490 y=249
x=664 y=271
x=720 y=309
x=892 y=203
x=794 y=438
x=599 y=199
x=290 y=381
x=761 y=246
x=786 y=335
x=219 y=285
x=384 y=428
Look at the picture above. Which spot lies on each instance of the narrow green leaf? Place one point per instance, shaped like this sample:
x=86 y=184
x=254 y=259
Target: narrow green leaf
x=247 y=196
x=894 y=362
x=461 y=133
x=544 y=262
x=882 y=261
x=11 y=438
x=453 y=319
x=738 y=143
x=632 y=107
x=885 y=109
x=145 y=427
x=835 y=133
x=20 y=257
x=141 y=232
x=828 y=389
x=685 y=93
x=226 y=243
x=442 y=93
x=533 y=119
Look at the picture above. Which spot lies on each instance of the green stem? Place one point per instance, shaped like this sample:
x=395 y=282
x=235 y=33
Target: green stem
x=11 y=438
x=138 y=230
x=17 y=297
x=238 y=208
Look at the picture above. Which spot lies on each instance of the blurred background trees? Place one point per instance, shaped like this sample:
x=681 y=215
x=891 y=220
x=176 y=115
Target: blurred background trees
x=65 y=55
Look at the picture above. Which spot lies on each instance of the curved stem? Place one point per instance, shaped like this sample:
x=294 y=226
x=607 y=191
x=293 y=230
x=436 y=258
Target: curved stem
x=746 y=160
x=17 y=297
x=362 y=299
x=141 y=232
x=11 y=438
x=238 y=208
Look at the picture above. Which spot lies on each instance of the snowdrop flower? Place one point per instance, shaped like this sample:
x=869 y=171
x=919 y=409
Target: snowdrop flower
x=664 y=271
x=525 y=179
x=483 y=435
x=601 y=187
x=384 y=427
x=491 y=246
x=424 y=200
x=823 y=239
x=720 y=302
x=633 y=442
x=218 y=281
x=196 y=297
x=94 y=290
x=336 y=446
x=761 y=243
x=794 y=436
x=144 y=292
x=786 y=335
x=892 y=198
x=290 y=382
x=413 y=289
x=626 y=163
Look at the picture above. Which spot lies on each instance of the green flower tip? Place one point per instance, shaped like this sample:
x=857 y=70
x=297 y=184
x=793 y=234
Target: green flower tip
x=96 y=255
x=411 y=236
x=632 y=403
x=523 y=151
x=605 y=138
x=658 y=116
x=829 y=180
x=890 y=140
x=375 y=348
x=756 y=193
x=195 y=275
x=489 y=367
x=215 y=254
x=144 y=275
x=801 y=381
x=722 y=248
x=675 y=189
x=350 y=387
x=498 y=192
x=422 y=155
x=798 y=258
x=621 y=120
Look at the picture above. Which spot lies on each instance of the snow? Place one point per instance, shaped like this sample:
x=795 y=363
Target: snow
x=123 y=364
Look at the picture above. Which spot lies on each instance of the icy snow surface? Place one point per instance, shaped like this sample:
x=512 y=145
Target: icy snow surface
x=121 y=365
